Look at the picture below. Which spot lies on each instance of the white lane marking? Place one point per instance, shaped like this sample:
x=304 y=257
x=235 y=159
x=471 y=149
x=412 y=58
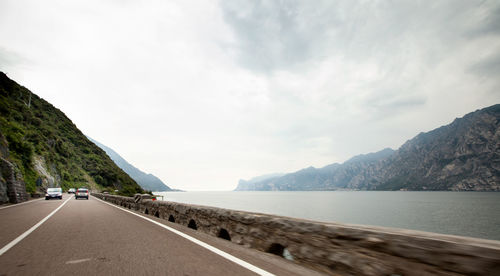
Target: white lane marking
x=25 y=234
x=200 y=243
x=78 y=261
x=29 y=201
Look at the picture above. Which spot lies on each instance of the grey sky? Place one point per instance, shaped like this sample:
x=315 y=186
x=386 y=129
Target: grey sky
x=203 y=93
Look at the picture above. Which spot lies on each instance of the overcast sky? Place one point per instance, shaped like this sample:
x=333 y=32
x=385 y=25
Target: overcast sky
x=204 y=93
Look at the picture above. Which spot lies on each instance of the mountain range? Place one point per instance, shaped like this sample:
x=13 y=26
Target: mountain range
x=145 y=180
x=461 y=156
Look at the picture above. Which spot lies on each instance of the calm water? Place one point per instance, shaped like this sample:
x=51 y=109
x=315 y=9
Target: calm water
x=474 y=214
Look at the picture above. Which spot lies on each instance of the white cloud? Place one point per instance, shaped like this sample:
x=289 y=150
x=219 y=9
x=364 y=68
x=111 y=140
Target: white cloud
x=202 y=94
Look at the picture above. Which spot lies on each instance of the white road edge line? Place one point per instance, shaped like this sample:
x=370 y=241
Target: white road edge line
x=25 y=234
x=200 y=243
x=78 y=261
x=17 y=204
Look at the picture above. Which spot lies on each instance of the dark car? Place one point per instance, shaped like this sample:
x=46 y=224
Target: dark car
x=82 y=193
x=53 y=193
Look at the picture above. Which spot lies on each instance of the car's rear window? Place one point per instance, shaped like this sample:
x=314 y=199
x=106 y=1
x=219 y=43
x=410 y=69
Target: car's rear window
x=82 y=190
x=52 y=190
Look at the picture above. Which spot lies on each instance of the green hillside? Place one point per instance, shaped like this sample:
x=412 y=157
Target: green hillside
x=49 y=150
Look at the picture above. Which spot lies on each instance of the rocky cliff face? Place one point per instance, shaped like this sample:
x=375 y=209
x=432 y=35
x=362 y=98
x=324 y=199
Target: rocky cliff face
x=12 y=186
x=462 y=156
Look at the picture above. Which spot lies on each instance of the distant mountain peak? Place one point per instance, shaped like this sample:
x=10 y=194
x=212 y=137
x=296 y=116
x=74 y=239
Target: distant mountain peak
x=146 y=180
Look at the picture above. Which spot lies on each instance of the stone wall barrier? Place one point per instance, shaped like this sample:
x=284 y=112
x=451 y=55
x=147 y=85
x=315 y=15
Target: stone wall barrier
x=331 y=248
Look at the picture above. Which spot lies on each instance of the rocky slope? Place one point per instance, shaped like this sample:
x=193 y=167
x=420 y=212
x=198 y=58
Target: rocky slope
x=146 y=180
x=461 y=156
x=42 y=148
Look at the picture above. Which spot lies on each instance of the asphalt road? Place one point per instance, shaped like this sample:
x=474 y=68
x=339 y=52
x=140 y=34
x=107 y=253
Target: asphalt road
x=91 y=237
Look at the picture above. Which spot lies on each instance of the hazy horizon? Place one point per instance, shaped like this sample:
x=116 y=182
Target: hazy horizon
x=202 y=94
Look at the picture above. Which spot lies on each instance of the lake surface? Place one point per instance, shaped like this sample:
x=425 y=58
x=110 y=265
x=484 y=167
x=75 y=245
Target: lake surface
x=473 y=214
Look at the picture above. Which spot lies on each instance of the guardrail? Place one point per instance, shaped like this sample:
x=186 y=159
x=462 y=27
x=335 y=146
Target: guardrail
x=331 y=248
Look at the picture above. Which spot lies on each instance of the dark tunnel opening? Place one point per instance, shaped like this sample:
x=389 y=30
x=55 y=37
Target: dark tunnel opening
x=276 y=249
x=192 y=225
x=223 y=234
